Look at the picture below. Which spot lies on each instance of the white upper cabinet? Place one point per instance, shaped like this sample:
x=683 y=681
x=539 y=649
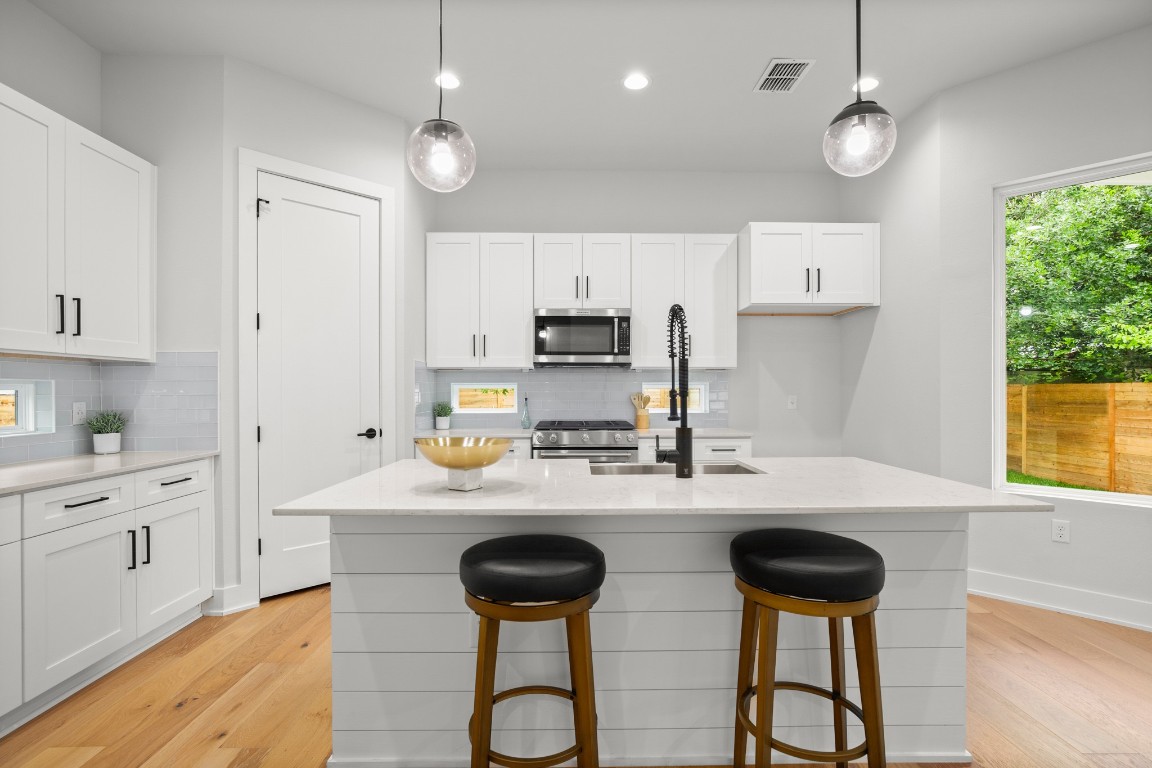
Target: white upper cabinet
x=696 y=271
x=32 y=298
x=108 y=244
x=573 y=271
x=710 y=299
x=77 y=239
x=479 y=300
x=808 y=268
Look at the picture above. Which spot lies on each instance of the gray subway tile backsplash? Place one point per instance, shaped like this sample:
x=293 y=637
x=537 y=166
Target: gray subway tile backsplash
x=170 y=405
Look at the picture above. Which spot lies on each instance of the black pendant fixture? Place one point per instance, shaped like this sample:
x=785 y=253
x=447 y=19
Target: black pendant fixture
x=440 y=153
x=862 y=136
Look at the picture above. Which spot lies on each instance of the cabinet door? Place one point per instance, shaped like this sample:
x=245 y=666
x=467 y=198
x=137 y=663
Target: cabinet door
x=31 y=225
x=710 y=299
x=108 y=242
x=453 y=307
x=506 y=301
x=558 y=281
x=175 y=559
x=780 y=263
x=521 y=449
x=843 y=263
x=79 y=599
x=11 y=655
x=607 y=271
x=657 y=284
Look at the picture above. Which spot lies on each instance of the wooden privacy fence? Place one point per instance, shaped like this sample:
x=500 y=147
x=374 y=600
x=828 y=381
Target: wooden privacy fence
x=1097 y=435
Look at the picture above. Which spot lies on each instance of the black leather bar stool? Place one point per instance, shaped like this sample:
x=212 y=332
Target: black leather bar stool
x=813 y=574
x=537 y=577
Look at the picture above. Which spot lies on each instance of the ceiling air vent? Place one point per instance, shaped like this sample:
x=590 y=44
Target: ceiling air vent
x=782 y=75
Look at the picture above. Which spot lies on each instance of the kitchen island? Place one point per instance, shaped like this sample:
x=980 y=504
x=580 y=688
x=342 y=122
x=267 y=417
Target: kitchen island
x=665 y=631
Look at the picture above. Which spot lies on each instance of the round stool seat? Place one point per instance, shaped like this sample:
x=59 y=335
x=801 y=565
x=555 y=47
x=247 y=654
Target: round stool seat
x=811 y=565
x=532 y=568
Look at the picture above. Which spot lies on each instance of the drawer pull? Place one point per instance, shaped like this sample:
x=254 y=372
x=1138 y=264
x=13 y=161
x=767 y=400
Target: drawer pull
x=175 y=482
x=722 y=450
x=86 y=503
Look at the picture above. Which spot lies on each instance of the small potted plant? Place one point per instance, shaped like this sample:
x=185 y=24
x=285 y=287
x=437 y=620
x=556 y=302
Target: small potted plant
x=106 y=428
x=442 y=411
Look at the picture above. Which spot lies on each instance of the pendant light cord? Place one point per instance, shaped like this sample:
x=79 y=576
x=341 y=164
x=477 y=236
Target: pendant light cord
x=440 y=73
x=858 y=95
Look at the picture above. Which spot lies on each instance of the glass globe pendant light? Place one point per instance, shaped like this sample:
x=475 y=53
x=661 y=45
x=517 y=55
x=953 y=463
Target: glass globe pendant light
x=862 y=136
x=440 y=153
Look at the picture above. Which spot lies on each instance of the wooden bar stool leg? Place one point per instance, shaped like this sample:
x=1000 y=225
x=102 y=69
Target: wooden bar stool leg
x=583 y=689
x=485 y=690
x=765 y=684
x=836 y=651
x=744 y=679
x=864 y=633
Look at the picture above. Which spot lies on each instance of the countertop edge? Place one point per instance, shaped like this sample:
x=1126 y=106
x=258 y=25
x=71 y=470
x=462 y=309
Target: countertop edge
x=47 y=473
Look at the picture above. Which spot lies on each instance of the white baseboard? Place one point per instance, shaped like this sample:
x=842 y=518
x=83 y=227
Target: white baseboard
x=233 y=599
x=1113 y=609
x=53 y=696
x=777 y=759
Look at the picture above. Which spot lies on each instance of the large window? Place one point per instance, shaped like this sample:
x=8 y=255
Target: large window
x=1077 y=333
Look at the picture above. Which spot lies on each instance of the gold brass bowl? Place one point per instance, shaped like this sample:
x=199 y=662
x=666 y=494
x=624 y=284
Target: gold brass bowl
x=463 y=452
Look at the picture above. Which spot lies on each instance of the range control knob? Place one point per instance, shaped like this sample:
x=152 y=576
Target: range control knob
x=618 y=438
x=631 y=438
x=538 y=437
x=552 y=438
x=586 y=437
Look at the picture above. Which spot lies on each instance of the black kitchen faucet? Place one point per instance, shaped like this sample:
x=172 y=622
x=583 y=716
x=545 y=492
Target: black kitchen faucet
x=678 y=350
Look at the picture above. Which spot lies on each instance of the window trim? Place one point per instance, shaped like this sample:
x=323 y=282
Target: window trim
x=1000 y=194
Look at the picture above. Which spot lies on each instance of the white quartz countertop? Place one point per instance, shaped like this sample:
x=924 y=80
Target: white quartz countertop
x=707 y=433
x=566 y=487
x=32 y=475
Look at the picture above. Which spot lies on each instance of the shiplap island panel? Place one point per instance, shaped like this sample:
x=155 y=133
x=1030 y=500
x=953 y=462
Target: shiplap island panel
x=665 y=631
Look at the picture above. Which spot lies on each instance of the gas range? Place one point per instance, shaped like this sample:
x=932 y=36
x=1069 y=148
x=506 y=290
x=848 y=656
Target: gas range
x=597 y=441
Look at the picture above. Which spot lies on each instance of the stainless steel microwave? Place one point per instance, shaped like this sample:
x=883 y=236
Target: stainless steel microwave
x=577 y=337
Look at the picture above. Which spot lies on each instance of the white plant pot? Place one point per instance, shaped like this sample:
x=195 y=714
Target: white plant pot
x=109 y=443
x=442 y=422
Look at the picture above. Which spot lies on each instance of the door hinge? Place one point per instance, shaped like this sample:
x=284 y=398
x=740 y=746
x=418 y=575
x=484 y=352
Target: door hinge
x=257 y=434
x=260 y=200
x=257 y=321
x=259 y=547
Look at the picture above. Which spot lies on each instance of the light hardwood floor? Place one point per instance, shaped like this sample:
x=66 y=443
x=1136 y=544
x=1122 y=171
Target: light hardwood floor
x=252 y=689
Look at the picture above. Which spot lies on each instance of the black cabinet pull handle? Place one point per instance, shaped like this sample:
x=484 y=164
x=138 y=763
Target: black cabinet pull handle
x=485 y=345
x=176 y=482
x=132 y=533
x=577 y=286
x=473 y=345
x=147 y=545
x=587 y=287
x=77 y=300
x=368 y=433
x=86 y=503
x=807 y=280
x=817 y=279
x=60 y=300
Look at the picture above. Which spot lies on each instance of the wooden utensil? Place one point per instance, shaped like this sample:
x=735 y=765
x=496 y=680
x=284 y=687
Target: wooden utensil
x=647 y=399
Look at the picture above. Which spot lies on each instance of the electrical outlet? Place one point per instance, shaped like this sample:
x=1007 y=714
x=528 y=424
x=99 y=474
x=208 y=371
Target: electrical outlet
x=1062 y=531
x=473 y=630
x=792 y=402
x=417 y=395
x=79 y=413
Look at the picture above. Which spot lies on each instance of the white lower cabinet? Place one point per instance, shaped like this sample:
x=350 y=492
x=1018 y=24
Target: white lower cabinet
x=175 y=554
x=97 y=585
x=79 y=599
x=11 y=669
x=521 y=449
x=703 y=449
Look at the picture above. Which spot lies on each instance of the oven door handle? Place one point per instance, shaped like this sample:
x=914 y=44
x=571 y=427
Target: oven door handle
x=593 y=456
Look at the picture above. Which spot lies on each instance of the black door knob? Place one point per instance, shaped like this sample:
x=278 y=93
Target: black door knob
x=368 y=433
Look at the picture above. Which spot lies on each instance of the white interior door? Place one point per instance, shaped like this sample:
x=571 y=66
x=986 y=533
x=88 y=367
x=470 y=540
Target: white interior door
x=318 y=259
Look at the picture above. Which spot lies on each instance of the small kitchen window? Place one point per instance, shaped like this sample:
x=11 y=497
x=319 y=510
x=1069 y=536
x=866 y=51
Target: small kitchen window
x=26 y=407
x=485 y=398
x=697 y=397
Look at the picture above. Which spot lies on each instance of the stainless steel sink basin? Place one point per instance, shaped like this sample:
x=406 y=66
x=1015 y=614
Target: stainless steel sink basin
x=712 y=468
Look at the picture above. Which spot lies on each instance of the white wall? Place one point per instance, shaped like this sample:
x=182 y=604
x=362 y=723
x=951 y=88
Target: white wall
x=48 y=63
x=777 y=356
x=991 y=131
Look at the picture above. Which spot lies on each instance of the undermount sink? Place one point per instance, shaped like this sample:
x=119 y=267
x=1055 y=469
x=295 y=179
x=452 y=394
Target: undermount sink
x=711 y=468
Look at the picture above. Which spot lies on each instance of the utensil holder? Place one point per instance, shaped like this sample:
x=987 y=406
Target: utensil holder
x=642 y=419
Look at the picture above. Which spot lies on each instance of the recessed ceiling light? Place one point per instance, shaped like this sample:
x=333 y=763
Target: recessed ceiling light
x=447 y=80
x=636 y=81
x=866 y=84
